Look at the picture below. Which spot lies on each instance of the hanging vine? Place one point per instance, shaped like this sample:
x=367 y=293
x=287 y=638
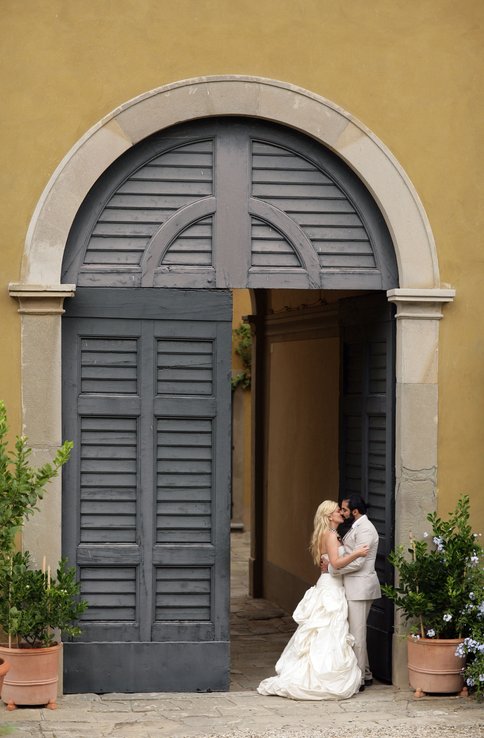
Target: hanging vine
x=243 y=348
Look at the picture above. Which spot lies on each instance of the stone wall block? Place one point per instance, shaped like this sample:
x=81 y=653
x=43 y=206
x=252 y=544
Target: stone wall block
x=41 y=379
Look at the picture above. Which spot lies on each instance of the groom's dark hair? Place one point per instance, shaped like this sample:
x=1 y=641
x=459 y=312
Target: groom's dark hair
x=356 y=502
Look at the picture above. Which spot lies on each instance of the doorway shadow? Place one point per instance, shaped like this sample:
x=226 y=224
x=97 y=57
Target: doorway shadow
x=259 y=629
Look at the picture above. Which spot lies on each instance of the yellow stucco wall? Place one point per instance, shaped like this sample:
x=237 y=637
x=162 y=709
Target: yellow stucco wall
x=409 y=69
x=302 y=453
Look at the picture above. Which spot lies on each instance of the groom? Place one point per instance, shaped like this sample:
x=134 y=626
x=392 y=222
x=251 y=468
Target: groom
x=360 y=579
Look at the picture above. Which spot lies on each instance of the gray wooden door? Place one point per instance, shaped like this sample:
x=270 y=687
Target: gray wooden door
x=230 y=202
x=367 y=442
x=146 y=393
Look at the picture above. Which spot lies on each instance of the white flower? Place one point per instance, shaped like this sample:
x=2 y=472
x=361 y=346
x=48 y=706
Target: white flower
x=439 y=542
x=472 y=596
x=425 y=535
x=447 y=617
x=430 y=633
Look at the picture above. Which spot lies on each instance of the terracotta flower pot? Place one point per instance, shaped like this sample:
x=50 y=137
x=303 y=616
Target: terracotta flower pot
x=33 y=676
x=4 y=667
x=433 y=666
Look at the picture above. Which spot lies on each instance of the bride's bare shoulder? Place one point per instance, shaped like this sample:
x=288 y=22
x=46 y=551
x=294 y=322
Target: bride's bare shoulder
x=325 y=539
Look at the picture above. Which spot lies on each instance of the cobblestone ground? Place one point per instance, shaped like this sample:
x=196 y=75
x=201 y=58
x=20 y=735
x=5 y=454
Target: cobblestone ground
x=259 y=632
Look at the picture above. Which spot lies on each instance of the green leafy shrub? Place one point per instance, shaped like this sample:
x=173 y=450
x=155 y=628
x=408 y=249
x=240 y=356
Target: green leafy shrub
x=32 y=604
x=21 y=485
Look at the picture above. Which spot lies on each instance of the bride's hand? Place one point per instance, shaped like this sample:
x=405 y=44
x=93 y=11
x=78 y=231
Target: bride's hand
x=363 y=550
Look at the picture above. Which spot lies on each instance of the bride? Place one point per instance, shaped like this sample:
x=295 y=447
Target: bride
x=318 y=663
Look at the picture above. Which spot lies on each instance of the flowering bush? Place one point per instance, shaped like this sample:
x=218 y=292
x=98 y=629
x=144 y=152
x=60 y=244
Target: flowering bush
x=441 y=587
x=473 y=650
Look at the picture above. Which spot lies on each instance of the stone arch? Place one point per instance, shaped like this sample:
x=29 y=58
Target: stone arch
x=232 y=95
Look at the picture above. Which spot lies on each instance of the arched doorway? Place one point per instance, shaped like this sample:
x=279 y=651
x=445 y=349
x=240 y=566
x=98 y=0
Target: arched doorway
x=419 y=295
x=223 y=203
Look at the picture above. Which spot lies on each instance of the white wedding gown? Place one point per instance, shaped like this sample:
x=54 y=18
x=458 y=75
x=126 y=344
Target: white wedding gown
x=318 y=663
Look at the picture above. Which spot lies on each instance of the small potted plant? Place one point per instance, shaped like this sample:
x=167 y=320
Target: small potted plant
x=34 y=603
x=440 y=591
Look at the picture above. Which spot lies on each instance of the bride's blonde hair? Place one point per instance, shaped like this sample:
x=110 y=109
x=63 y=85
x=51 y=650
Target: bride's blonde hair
x=321 y=524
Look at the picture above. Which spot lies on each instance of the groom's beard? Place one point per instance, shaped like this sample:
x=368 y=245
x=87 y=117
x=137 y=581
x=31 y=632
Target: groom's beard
x=344 y=527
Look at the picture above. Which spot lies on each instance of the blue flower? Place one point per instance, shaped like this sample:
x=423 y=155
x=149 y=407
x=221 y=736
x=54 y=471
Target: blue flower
x=447 y=617
x=470 y=681
x=460 y=650
x=430 y=633
x=472 y=596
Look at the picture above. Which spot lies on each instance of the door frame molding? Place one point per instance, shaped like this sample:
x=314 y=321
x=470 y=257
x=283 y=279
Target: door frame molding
x=419 y=298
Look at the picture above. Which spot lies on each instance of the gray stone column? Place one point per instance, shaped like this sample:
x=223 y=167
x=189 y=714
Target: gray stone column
x=419 y=312
x=41 y=307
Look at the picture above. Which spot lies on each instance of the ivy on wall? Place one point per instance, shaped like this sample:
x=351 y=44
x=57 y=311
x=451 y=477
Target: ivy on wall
x=243 y=348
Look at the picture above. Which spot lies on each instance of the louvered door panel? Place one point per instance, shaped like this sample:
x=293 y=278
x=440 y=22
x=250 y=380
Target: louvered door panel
x=145 y=199
x=104 y=359
x=367 y=442
x=270 y=249
x=315 y=202
x=187 y=427
x=184 y=480
x=146 y=504
x=108 y=480
x=192 y=246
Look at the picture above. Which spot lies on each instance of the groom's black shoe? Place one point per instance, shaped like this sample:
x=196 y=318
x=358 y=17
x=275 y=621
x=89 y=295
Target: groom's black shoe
x=368 y=682
x=362 y=688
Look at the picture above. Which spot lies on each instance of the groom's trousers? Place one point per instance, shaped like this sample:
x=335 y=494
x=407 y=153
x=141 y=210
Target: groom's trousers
x=358 y=611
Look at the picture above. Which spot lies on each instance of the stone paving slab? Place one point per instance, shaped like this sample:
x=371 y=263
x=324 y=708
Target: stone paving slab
x=381 y=711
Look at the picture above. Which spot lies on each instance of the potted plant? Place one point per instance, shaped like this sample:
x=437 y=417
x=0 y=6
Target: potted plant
x=34 y=603
x=440 y=591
